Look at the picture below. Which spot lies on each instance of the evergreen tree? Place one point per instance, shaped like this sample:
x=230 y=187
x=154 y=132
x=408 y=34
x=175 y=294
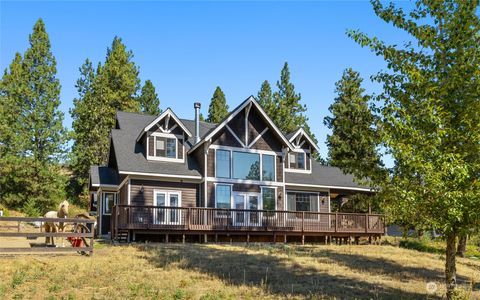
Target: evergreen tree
x=31 y=90
x=352 y=144
x=202 y=118
x=218 y=108
x=429 y=117
x=149 y=102
x=288 y=112
x=265 y=98
x=112 y=86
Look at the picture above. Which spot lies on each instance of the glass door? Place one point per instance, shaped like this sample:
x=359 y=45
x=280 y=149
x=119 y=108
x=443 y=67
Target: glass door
x=159 y=216
x=167 y=213
x=239 y=203
x=253 y=204
x=174 y=199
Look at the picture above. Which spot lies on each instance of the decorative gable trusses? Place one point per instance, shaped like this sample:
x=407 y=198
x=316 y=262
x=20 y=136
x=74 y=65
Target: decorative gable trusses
x=168 y=125
x=248 y=104
x=299 y=137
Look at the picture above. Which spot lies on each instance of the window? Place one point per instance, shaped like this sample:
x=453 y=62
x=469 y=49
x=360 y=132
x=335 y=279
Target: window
x=296 y=160
x=268 y=167
x=222 y=163
x=167 y=213
x=108 y=202
x=246 y=165
x=268 y=197
x=165 y=147
x=302 y=201
x=223 y=196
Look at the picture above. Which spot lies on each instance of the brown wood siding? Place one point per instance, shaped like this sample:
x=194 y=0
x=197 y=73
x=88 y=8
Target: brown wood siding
x=256 y=124
x=279 y=169
x=180 y=148
x=151 y=146
x=252 y=188
x=237 y=125
x=198 y=154
x=225 y=138
x=123 y=194
x=211 y=163
x=210 y=194
x=189 y=191
x=268 y=142
x=307 y=161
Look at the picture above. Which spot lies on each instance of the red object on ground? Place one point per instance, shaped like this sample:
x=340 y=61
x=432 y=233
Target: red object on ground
x=76 y=242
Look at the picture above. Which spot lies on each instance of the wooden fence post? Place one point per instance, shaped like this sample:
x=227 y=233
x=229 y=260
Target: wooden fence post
x=366 y=223
x=336 y=222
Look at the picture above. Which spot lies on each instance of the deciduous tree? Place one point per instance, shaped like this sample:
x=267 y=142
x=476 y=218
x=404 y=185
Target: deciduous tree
x=430 y=120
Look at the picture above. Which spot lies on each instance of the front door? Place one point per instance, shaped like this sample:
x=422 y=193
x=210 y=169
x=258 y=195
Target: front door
x=167 y=213
x=245 y=202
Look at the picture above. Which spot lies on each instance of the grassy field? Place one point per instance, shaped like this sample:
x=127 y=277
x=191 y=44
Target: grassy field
x=207 y=271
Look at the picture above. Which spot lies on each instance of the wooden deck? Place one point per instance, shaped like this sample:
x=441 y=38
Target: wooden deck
x=197 y=220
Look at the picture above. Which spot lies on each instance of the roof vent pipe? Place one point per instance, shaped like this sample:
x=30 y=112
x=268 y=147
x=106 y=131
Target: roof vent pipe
x=197 y=106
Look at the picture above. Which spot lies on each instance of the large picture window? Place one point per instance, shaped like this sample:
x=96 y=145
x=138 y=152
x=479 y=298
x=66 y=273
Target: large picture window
x=222 y=163
x=302 y=201
x=246 y=165
x=268 y=167
x=223 y=195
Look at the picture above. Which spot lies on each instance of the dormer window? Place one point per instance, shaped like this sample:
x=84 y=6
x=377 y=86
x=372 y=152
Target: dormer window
x=165 y=147
x=296 y=160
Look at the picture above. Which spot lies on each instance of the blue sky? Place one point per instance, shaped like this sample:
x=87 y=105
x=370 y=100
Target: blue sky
x=188 y=48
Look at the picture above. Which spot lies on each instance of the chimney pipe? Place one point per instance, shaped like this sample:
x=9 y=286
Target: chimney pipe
x=197 y=106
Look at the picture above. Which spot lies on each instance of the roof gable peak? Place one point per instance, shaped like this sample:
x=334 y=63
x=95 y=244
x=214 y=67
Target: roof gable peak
x=168 y=113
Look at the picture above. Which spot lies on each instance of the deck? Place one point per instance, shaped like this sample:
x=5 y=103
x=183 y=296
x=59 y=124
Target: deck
x=199 y=220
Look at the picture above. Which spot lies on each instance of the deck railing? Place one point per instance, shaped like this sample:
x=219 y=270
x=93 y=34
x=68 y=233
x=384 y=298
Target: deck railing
x=217 y=219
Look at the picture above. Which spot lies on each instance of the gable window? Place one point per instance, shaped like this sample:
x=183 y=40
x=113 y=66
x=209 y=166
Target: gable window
x=223 y=195
x=246 y=165
x=222 y=163
x=296 y=160
x=268 y=167
x=165 y=147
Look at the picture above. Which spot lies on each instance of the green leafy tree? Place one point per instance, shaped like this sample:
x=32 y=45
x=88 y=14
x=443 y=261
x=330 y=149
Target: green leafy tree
x=149 y=102
x=352 y=146
x=218 y=108
x=430 y=120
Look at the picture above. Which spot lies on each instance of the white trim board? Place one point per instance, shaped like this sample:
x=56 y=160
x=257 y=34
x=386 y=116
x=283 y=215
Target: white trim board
x=161 y=175
x=328 y=187
x=249 y=100
x=170 y=113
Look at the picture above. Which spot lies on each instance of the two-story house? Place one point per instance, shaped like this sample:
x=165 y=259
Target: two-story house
x=243 y=177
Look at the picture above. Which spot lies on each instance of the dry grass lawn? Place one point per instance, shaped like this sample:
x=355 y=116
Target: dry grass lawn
x=207 y=271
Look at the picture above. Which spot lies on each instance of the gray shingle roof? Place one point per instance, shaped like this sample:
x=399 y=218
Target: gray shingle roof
x=103 y=175
x=323 y=175
x=130 y=155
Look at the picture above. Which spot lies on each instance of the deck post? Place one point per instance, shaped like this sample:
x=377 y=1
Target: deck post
x=366 y=223
x=303 y=239
x=205 y=238
x=326 y=240
x=303 y=220
x=285 y=238
x=248 y=239
x=274 y=238
x=183 y=238
x=216 y=237
x=166 y=238
x=336 y=222
x=189 y=217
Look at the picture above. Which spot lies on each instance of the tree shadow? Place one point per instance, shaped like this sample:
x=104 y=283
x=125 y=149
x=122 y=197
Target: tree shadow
x=277 y=275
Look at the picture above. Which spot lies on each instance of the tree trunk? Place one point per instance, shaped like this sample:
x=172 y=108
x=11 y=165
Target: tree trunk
x=462 y=245
x=450 y=268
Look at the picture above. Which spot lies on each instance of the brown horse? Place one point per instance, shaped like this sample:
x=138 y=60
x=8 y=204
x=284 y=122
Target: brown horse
x=56 y=226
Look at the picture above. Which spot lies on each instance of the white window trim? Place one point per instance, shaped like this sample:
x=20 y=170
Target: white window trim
x=166 y=135
x=104 y=206
x=231 y=192
x=167 y=194
x=237 y=149
x=310 y=192
x=276 y=195
x=305 y=170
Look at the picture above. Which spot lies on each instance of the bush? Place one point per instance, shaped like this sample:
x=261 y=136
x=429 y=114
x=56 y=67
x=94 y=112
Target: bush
x=422 y=246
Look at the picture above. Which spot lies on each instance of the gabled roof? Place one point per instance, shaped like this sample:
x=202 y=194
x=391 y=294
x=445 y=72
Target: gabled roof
x=167 y=112
x=300 y=131
x=229 y=117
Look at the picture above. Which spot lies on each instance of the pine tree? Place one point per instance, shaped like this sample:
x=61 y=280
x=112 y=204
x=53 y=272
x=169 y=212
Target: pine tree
x=149 y=102
x=32 y=91
x=265 y=98
x=218 y=108
x=352 y=144
x=288 y=113
x=112 y=86
x=429 y=117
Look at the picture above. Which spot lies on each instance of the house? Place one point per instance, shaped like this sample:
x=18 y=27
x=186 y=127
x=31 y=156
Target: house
x=242 y=177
